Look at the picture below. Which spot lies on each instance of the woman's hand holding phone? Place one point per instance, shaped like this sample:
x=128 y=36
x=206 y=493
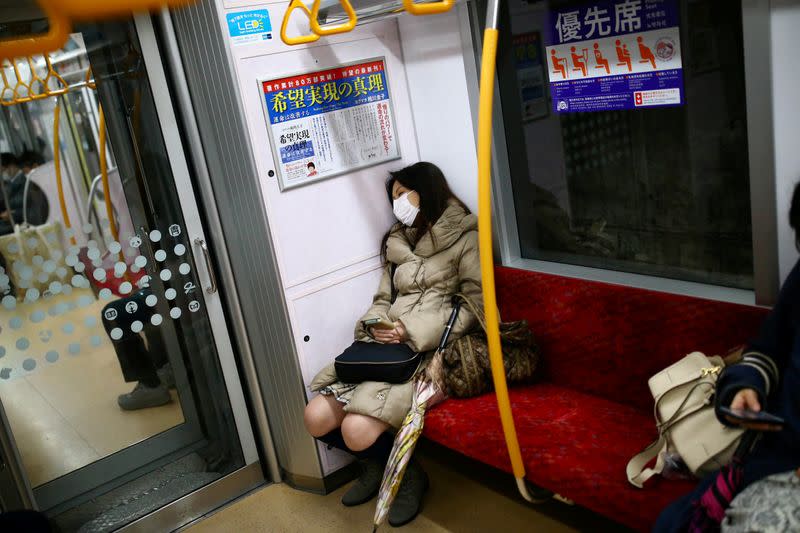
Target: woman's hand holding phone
x=390 y=336
x=747 y=400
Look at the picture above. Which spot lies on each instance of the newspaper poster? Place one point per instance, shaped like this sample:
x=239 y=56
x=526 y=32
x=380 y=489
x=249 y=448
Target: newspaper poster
x=326 y=123
x=615 y=54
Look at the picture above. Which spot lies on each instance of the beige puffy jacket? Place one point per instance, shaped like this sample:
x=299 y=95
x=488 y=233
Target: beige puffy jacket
x=426 y=277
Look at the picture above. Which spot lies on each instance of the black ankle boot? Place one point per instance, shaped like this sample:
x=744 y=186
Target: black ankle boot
x=366 y=486
x=408 y=502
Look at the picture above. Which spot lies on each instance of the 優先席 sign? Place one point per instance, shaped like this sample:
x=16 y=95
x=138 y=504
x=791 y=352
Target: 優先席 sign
x=326 y=123
x=615 y=54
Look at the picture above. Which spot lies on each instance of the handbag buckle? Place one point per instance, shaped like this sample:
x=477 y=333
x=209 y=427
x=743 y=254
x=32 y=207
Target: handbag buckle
x=713 y=371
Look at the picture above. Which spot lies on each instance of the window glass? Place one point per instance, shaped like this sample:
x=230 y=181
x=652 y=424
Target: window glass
x=640 y=161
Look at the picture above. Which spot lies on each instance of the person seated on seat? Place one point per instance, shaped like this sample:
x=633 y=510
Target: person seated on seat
x=147 y=365
x=30 y=161
x=14 y=182
x=768 y=379
x=430 y=256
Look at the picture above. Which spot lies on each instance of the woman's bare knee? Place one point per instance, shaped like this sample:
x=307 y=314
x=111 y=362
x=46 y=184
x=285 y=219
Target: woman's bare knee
x=360 y=431
x=323 y=414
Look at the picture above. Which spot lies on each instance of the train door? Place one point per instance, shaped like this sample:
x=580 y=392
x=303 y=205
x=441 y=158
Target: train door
x=119 y=389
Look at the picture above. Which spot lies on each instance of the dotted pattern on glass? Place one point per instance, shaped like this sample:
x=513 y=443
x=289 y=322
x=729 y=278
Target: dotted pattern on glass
x=56 y=273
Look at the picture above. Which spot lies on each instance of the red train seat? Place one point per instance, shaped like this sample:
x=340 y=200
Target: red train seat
x=591 y=409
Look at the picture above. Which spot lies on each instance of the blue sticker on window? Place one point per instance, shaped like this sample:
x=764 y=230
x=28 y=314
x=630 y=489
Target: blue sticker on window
x=249 y=26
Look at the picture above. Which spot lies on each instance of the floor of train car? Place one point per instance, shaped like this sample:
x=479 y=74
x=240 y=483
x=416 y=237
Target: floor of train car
x=63 y=411
x=465 y=496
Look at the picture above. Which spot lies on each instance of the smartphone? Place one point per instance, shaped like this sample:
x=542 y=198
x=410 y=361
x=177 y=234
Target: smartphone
x=377 y=323
x=745 y=415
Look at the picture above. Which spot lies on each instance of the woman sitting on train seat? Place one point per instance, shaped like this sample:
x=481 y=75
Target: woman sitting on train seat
x=430 y=255
x=768 y=379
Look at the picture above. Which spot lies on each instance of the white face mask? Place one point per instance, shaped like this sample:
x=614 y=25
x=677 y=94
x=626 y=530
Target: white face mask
x=404 y=210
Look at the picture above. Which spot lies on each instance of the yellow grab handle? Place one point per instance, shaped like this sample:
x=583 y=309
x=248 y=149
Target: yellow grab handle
x=304 y=39
x=352 y=20
x=90 y=83
x=57 y=34
x=51 y=73
x=57 y=162
x=6 y=101
x=36 y=79
x=430 y=8
x=487 y=257
x=18 y=99
x=102 y=9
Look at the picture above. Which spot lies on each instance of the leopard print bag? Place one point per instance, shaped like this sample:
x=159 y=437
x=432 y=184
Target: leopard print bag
x=466 y=367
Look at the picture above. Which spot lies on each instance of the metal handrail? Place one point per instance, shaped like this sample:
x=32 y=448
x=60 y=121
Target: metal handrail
x=333 y=29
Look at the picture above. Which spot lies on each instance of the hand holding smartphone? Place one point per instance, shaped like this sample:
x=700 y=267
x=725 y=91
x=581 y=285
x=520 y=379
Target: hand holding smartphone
x=758 y=420
x=377 y=323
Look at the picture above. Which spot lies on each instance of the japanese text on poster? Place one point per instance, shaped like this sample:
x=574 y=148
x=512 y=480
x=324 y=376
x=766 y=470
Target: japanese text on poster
x=326 y=123
x=615 y=54
x=530 y=75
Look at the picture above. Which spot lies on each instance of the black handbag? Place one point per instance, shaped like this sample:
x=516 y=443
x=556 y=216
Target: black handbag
x=371 y=361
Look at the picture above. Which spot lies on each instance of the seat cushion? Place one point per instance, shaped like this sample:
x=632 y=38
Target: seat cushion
x=572 y=443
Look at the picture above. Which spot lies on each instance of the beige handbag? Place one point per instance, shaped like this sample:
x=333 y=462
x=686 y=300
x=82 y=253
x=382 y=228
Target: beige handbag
x=33 y=246
x=687 y=424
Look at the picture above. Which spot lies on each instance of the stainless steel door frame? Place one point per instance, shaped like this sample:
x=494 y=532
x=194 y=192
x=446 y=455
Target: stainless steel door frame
x=194 y=229
x=214 y=225
x=232 y=181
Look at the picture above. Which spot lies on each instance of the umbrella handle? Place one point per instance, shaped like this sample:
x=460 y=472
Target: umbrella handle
x=450 y=323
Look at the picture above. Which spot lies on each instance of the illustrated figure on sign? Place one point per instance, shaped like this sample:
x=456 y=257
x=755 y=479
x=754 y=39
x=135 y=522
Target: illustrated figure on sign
x=559 y=65
x=624 y=55
x=646 y=53
x=312 y=170
x=579 y=61
x=602 y=62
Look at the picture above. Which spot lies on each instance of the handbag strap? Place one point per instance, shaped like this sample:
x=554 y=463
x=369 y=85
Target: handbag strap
x=475 y=311
x=636 y=471
x=675 y=418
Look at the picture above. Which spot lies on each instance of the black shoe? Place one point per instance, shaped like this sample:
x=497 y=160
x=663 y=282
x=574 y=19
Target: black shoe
x=408 y=502
x=366 y=486
x=143 y=397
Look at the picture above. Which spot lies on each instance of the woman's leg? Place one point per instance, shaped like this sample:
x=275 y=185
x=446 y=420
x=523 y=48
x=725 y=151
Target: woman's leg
x=366 y=437
x=323 y=414
x=360 y=431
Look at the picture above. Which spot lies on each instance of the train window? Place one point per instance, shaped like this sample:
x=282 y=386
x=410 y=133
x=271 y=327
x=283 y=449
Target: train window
x=626 y=136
